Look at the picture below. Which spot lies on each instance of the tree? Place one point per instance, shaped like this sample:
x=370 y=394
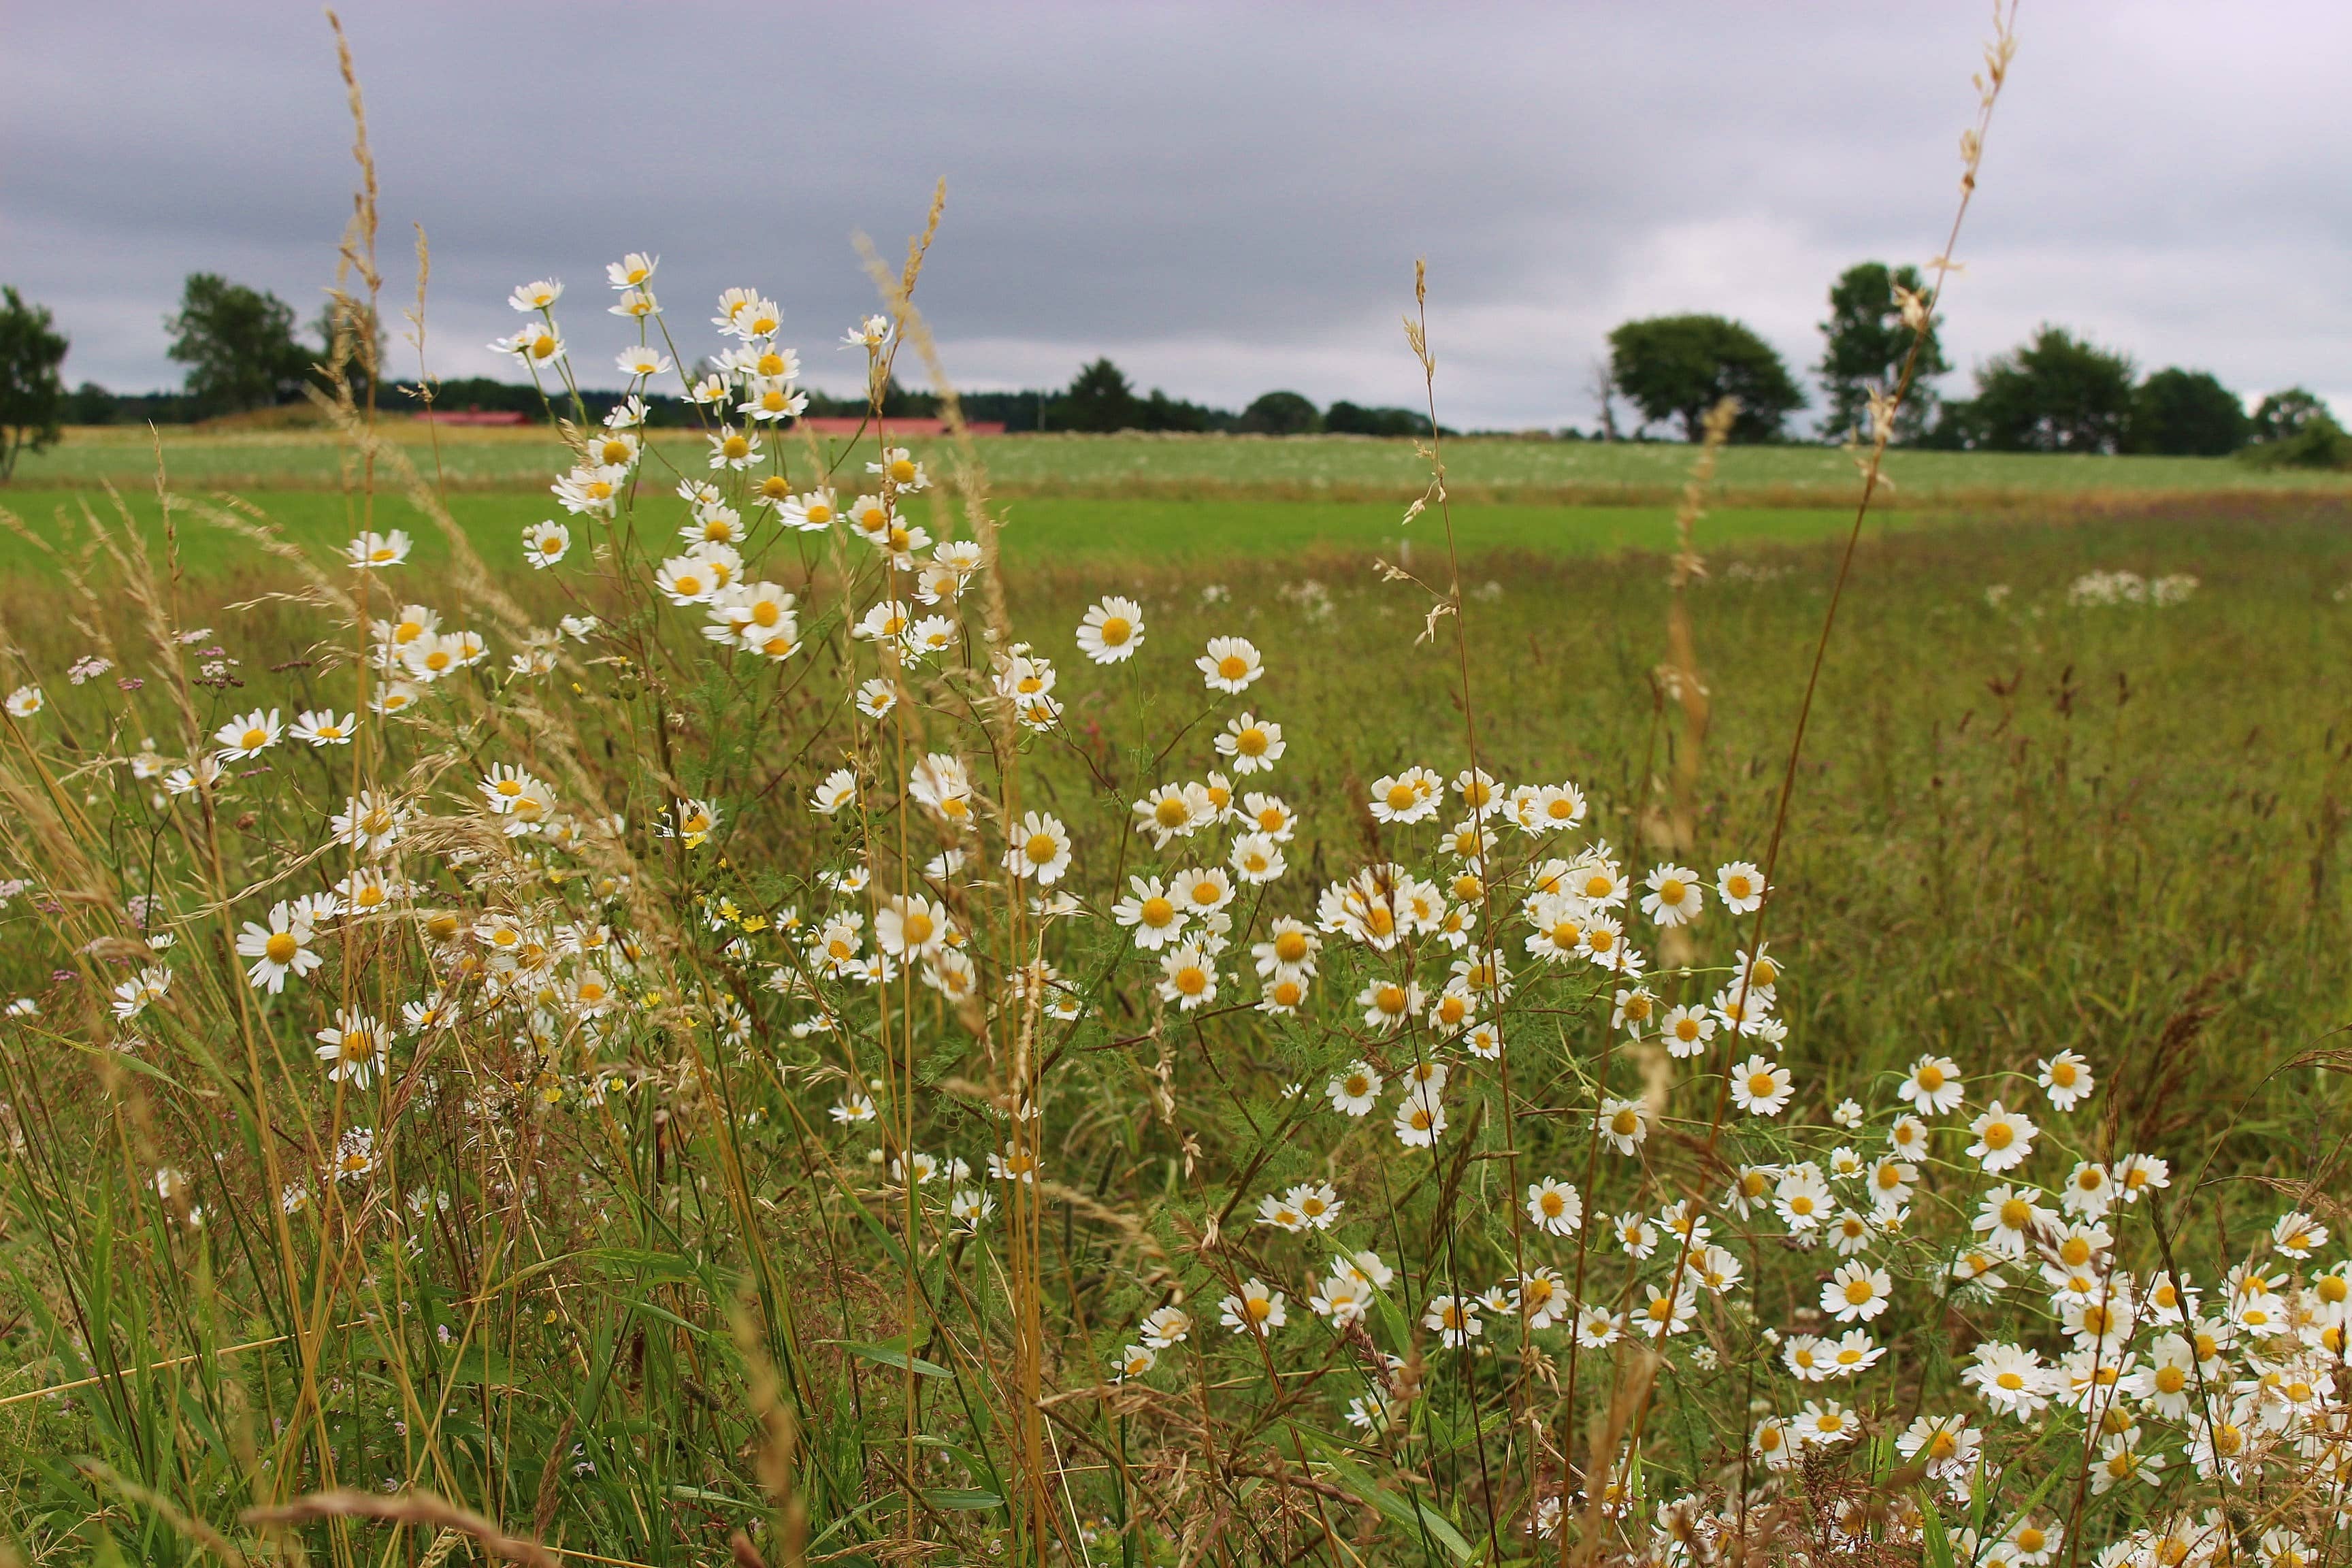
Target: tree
x=1345 y=418
x=2281 y=415
x=238 y=345
x=1100 y=398
x=1281 y=414
x=2293 y=429
x=2181 y=413
x=1865 y=345
x=32 y=391
x=1680 y=366
x=2057 y=393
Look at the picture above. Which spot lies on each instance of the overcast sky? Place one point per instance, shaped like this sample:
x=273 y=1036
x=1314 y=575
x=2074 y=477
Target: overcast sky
x=1224 y=198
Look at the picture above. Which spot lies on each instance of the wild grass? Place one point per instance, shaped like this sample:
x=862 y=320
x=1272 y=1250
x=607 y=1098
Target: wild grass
x=1140 y=466
x=722 y=1089
x=1035 y=529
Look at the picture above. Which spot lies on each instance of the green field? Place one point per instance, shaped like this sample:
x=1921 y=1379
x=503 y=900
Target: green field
x=2022 y=824
x=1293 y=468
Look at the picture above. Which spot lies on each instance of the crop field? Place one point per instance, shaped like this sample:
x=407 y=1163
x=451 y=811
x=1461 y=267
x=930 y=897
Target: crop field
x=633 y=1279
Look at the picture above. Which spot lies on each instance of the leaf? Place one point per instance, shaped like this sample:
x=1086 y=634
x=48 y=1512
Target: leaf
x=1939 y=1546
x=894 y=1353
x=1411 y=1513
x=955 y=1497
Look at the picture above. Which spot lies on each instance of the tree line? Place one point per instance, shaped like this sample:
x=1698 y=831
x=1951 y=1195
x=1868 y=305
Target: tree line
x=2058 y=392
x=245 y=349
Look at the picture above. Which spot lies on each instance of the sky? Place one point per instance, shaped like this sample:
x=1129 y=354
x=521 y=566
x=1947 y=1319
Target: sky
x=1225 y=198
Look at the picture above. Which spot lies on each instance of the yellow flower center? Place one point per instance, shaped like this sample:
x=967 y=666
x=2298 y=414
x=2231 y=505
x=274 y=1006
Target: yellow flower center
x=281 y=947
x=1171 y=812
x=918 y=927
x=1192 y=980
x=1760 y=1085
x=2000 y=1135
x=1670 y=892
x=1233 y=667
x=1041 y=848
x=254 y=740
x=1157 y=911
x=1858 y=1292
x=1114 y=631
x=1251 y=742
x=1931 y=1077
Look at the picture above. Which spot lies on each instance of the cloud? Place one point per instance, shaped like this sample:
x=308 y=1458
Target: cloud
x=1225 y=198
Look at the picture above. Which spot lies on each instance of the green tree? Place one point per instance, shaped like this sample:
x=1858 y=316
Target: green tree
x=2181 y=413
x=1680 y=366
x=1865 y=343
x=1345 y=418
x=1281 y=414
x=2056 y=394
x=2281 y=415
x=2293 y=429
x=1101 y=397
x=32 y=391
x=238 y=345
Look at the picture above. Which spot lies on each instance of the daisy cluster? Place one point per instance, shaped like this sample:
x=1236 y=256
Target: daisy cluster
x=1467 y=1116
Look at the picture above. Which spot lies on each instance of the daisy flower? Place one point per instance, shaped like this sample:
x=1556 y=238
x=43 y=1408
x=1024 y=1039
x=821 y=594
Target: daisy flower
x=1251 y=744
x=545 y=543
x=26 y=702
x=1826 y=1424
x=1257 y=1308
x=1187 y=978
x=353 y=1046
x=1041 y=849
x=1155 y=917
x=319 y=727
x=1857 y=1292
x=1419 y=1118
x=1231 y=665
x=2066 y=1080
x=1353 y=1092
x=1412 y=796
x=642 y=362
x=248 y=735
x=1256 y=858
x=1455 y=1320
x=1555 y=1206
x=1686 y=1031
x=280 y=948
x=1760 y=1087
x=1111 y=630
x=811 y=511
x=370 y=822
x=2004 y=1138
x=1932 y=1085
x=536 y=296
x=372 y=550
x=1740 y=886
x=1673 y=898
x=1164 y=1327
x=1623 y=1123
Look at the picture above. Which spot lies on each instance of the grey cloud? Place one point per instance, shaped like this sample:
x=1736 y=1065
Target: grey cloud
x=1225 y=199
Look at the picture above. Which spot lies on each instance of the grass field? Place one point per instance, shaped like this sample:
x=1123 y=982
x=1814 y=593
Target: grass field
x=1182 y=466
x=2022 y=823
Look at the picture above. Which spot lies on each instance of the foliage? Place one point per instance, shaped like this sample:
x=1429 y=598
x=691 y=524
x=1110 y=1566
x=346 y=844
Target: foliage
x=2056 y=394
x=238 y=345
x=2294 y=429
x=2283 y=415
x=1865 y=345
x=1281 y=414
x=2186 y=413
x=1678 y=367
x=740 y=1078
x=1346 y=418
x=32 y=391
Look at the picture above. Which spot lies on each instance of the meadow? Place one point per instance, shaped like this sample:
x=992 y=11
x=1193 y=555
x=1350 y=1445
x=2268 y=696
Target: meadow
x=634 y=1284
